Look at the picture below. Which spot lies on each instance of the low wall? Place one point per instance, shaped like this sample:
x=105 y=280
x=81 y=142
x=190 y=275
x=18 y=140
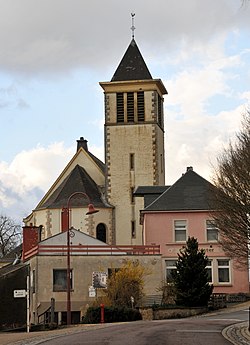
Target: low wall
x=174 y=313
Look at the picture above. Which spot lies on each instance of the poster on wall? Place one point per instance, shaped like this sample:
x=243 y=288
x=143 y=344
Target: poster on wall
x=99 y=280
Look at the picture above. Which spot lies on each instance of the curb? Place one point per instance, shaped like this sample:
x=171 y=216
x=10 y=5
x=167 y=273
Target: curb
x=237 y=334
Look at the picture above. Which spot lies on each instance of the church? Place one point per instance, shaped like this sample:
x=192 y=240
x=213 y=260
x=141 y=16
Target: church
x=118 y=210
x=134 y=156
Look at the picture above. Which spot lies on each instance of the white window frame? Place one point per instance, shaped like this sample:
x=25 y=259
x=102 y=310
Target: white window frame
x=180 y=228
x=172 y=266
x=210 y=267
x=211 y=227
x=220 y=266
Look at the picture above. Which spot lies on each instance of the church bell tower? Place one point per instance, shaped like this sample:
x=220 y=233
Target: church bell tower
x=134 y=141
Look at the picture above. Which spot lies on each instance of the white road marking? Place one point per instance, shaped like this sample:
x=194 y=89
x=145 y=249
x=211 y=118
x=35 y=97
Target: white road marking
x=234 y=320
x=197 y=331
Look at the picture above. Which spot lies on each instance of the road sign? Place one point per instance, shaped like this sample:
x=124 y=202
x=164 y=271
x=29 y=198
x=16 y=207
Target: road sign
x=19 y=293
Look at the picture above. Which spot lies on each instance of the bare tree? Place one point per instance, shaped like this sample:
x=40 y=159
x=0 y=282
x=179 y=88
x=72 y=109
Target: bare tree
x=10 y=235
x=232 y=196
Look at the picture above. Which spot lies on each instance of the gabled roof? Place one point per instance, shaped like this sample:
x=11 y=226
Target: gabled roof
x=77 y=181
x=132 y=65
x=189 y=193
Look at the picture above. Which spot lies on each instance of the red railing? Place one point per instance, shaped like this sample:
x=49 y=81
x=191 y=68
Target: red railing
x=92 y=250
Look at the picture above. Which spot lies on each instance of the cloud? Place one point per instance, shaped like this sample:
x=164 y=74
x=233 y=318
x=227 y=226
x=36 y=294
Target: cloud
x=195 y=135
x=22 y=104
x=20 y=179
x=6 y=96
x=48 y=37
x=10 y=97
x=190 y=44
x=198 y=144
x=28 y=177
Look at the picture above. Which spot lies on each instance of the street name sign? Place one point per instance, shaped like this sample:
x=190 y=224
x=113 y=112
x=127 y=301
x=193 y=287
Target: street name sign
x=19 y=293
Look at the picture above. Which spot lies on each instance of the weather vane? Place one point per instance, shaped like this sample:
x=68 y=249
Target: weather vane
x=133 y=25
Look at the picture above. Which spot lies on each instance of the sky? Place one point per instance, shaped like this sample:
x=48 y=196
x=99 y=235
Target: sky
x=54 y=54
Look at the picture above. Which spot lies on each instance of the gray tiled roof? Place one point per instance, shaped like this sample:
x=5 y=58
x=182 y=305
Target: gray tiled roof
x=77 y=181
x=100 y=164
x=150 y=193
x=190 y=192
x=143 y=190
x=5 y=270
x=132 y=65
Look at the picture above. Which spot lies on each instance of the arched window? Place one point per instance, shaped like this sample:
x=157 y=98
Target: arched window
x=101 y=233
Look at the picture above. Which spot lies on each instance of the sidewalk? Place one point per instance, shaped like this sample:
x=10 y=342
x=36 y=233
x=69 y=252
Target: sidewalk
x=237 y=334
x=33 y=338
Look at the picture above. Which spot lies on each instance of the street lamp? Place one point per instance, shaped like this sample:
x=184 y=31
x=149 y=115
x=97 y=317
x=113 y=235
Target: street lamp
x=67 y=210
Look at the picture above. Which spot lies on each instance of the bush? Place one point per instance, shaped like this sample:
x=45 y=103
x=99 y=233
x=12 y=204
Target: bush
x=111 y=314
x=124 y=283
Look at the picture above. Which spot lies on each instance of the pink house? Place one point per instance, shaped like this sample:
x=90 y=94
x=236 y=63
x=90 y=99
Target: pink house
x=172 y=214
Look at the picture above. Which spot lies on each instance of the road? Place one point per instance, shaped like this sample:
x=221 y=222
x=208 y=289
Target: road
x=204 y=330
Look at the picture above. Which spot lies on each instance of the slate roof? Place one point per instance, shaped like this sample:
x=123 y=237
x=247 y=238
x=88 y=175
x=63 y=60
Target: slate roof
x=191 y=192
x=150 y=193
x=83 y=143
x=100 y=164
x=5 y=270
x=77 y=181
x=132 y=65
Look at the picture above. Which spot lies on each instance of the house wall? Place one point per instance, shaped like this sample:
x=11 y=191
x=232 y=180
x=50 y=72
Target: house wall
x=159 y=230
x=41 y=268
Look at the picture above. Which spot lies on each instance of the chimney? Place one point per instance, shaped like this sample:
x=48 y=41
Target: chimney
x=189 y=169
x=82 y=143
x=31 y=238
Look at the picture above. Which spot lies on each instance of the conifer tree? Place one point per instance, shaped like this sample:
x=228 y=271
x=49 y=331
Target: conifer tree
x=191 y=278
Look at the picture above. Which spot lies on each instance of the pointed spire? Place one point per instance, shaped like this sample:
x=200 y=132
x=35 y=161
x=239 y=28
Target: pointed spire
x=132 y=65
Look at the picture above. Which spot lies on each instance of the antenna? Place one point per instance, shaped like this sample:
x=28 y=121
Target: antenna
x=133 y=24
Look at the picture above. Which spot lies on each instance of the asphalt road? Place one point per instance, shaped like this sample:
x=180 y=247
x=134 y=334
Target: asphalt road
x=237 y=315
x=204 y=329
x=194 y=331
